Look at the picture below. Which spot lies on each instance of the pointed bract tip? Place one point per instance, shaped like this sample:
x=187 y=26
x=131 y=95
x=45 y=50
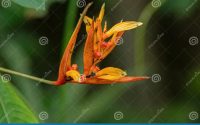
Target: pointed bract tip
x=146 y=77
x=140 y=23
x=90 y=3
x=103 y=5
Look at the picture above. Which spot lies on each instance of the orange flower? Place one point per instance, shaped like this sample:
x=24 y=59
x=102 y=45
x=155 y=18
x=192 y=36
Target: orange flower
x=97 y=47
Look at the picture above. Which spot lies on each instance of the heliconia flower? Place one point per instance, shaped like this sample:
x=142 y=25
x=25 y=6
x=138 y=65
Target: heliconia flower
x=98 y=45
x=96 y=49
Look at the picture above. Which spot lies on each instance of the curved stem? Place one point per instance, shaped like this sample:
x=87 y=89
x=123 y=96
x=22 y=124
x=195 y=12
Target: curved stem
x=27 y=76
x=139 y=42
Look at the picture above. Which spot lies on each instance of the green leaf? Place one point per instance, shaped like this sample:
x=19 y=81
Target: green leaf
x=12 y=107
x=34 y=4
x=70 y=22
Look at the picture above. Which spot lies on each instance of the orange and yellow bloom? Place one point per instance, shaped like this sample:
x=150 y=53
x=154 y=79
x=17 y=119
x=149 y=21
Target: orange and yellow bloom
x=99 y=43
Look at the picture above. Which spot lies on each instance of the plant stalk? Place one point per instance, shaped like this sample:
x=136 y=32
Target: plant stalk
x=40 y=80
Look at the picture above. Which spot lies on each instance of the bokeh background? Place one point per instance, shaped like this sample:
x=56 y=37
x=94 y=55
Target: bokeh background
x=166 y=47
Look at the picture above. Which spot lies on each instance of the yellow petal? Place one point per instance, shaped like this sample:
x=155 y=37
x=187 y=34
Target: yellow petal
x=88 y=22
x=102 y=11
x=111 y=71
x=123 y=26
x=105 y=27
x=75 y=75
x=110 y=77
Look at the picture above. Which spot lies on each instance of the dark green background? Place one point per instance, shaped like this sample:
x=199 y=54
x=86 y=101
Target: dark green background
x=172 y=57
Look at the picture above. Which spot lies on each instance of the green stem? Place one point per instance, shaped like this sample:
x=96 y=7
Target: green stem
x=27 y=76
x=139 y=43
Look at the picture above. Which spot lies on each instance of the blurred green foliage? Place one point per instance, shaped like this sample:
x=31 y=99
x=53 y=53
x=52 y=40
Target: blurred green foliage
x=170 y=100
x=13 y=109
